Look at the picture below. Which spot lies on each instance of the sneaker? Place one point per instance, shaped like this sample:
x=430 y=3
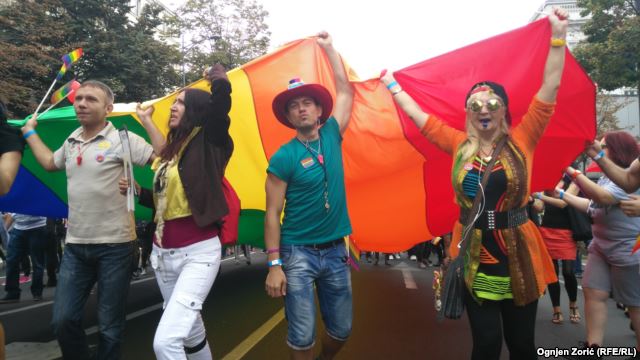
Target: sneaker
x=422 y=265
x=37 y=297
x=7 y=299
x=413 y=258
x=398 y=256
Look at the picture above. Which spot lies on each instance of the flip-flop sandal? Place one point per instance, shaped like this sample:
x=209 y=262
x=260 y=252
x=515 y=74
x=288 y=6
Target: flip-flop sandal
x=557 y=318
x=574 y=315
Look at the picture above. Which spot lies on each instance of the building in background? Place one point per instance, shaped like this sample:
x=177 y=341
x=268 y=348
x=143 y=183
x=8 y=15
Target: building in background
x=575 y=34
x=629 y=115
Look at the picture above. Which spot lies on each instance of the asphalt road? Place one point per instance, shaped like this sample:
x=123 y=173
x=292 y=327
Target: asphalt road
x=394 y=318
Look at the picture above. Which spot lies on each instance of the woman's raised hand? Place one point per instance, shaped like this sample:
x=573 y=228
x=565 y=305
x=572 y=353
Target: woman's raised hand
x=144 y=113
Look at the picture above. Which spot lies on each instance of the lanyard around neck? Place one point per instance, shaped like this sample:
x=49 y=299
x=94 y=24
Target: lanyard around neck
x=320 y=159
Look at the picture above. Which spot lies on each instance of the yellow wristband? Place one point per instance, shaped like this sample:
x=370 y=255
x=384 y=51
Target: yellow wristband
x=557 y=42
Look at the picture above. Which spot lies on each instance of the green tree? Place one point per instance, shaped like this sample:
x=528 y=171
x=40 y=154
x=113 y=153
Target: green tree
x=117 y=50
x=606 y=108
x=611 y=51
x=230 y=32
x=122 y=53
x=31 y=38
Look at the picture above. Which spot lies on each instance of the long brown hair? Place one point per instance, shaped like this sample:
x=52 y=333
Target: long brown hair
x=196 y=104
x=623 y=148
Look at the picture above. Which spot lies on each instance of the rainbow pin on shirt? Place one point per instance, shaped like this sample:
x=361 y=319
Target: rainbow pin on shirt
x=307 y=162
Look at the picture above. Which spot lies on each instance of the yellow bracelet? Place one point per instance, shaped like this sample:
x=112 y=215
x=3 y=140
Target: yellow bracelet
x=557 y=42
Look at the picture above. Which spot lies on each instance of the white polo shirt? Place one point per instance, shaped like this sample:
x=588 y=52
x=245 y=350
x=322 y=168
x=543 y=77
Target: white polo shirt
x=97 y=211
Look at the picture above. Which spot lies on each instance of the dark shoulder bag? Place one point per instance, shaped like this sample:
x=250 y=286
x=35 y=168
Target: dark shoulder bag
x=580 y=224
x=452 y=295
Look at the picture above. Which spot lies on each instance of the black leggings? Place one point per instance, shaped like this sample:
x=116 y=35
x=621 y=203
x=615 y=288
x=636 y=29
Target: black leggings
x=487 y=322
x=570 y=282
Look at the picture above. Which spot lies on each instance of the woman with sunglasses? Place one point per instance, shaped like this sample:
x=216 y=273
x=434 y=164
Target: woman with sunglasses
x=611 y=265
x=189 y=204
x=507 y=267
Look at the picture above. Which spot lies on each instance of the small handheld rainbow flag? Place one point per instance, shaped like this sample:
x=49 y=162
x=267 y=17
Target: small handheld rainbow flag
x=66 y=91
x=68 y=60
x=354 y=253
x=63 y=91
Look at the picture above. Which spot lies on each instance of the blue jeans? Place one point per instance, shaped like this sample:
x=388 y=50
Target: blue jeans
x=328 y=270
x=32 y=242
x=82 y=265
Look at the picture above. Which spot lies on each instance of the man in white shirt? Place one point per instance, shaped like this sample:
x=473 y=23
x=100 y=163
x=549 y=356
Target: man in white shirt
x=100 y=244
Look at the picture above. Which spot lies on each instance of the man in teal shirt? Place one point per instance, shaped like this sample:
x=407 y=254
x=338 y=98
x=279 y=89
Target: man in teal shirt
x=309 y=248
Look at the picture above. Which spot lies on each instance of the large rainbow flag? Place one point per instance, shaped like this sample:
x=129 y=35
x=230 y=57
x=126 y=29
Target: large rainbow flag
x=398 y=185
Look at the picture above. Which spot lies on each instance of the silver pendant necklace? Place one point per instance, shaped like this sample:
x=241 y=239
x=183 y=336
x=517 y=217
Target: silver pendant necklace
x=318 y=155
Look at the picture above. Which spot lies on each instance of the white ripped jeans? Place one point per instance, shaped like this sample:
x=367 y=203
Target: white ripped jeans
x=185 y=276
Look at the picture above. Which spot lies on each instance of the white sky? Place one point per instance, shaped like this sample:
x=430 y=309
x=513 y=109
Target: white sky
x=374 y=34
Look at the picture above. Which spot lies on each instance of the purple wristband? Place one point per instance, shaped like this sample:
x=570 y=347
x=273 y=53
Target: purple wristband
x=273 y=251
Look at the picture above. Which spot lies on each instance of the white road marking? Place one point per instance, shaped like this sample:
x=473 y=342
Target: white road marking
x=51 y=350
x=49 y=302
x=409 y=282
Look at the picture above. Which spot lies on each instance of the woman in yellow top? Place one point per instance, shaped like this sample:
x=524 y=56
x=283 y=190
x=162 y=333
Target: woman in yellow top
x=507 y=267
x=189 y=205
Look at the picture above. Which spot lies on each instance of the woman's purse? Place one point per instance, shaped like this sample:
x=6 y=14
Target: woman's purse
x=452 y=289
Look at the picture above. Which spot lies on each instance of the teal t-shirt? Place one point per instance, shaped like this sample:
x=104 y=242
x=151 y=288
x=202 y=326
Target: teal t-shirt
x=306 y=220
